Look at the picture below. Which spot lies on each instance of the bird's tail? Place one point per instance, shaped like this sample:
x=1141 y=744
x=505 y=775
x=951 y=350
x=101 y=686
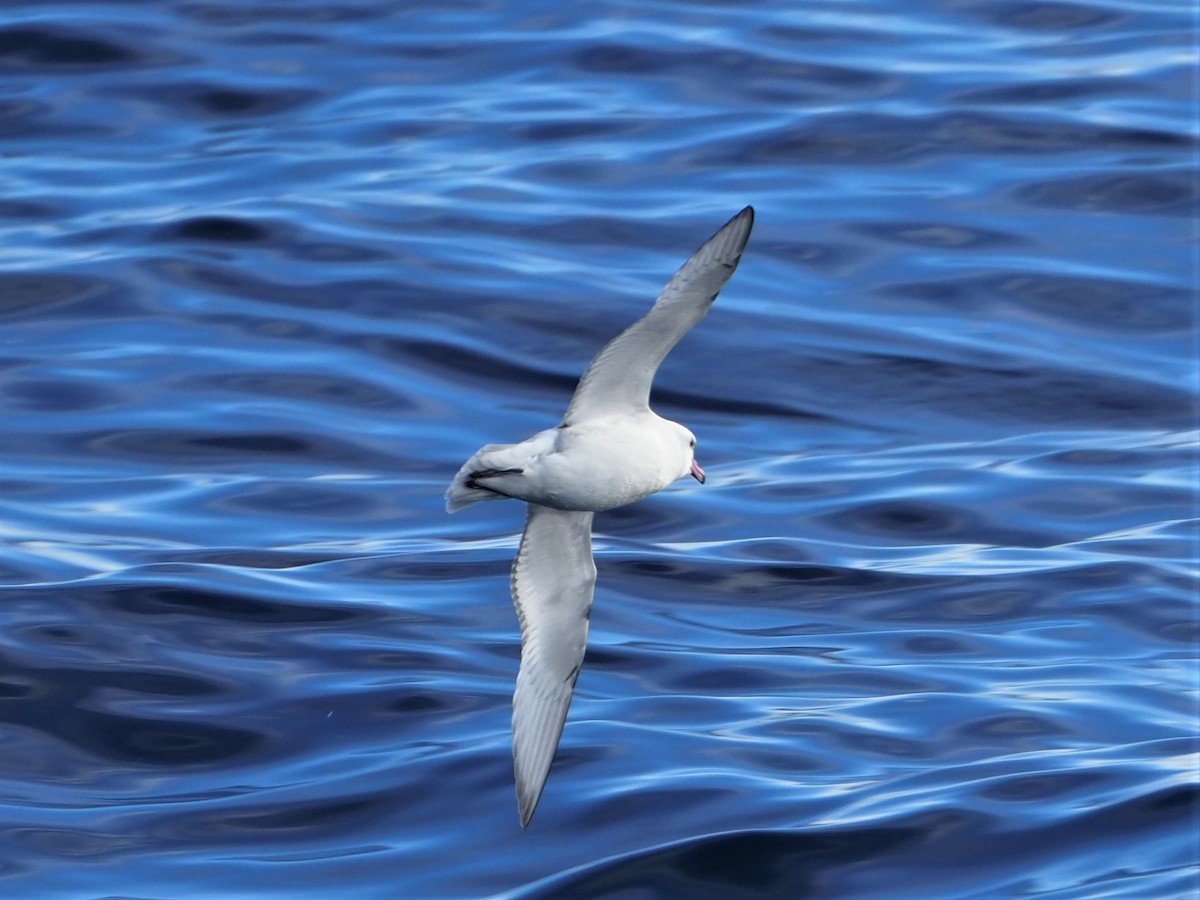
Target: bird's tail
x=464 y=490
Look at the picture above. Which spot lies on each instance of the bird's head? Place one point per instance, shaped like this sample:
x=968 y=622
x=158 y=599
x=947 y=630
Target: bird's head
x=687 y=446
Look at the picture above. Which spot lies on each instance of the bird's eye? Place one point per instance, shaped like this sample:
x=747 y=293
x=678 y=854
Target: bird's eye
x=692 y=444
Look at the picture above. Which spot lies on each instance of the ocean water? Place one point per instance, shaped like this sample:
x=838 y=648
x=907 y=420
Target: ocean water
x=270 y=271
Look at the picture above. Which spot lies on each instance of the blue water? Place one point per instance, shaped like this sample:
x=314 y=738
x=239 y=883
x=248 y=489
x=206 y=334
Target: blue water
x=272 y=270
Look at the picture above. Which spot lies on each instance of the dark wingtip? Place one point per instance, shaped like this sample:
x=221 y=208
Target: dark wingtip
x=526 y=809
x=746 y=215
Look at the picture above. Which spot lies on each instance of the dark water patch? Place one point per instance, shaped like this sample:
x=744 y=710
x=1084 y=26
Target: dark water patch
x=1149 y=604
x=1173 y=800
x=307 y=501
x=750 y=863
x=1089 y=457
x=55 y=634
x=915 y=519
x=15 y=363
x=64 y=710
x=361 y=297
x=770 y=76
x=234 y=281
x=335 y=253
x=1090 y=303
x=717 y=680
x=24 y=294
x=28 y=121
x=14 y=686
x=456 y=52
x=997 y=396
x=1153 y=614
x=50 y=48
x=626 y=59
x=800 y=585
x=315 y=816
x=431 y=570
x=844 y=681
x=596 y=231
x=25 y=209
x=15 y=487
x=867 y=860
x=1170 y=810
x=57 y=395
x=938 y=236
x=22 y=119
x=1045 y=786
x=1018 y=728
x=937 y=645
x=473 y=366
x=278 y=37
x=568 y=130
x=882 y=139
x=776 y=551
x=975 y=602
x=826 y=257
x=32 y=127
x=156 y=742
x=1149 y=193
x=882 y=745
x=308 y=14
x=1186 y=632
x=413 y=655
x=219 y=229
x=1047 y=16
x=154 y=642
x=324 y=389
x=15 y=573
x=256 y=559
x=251 y=443
x=421 y=704
x=1034 y=93
x=1150 y=599
x=690 y=799
x=229 y=102
x=70 y=843
x=164 y=684
x=740 y=406
x=807 y=35
x=235 y=232
x=155 y=601
x=922 y=522
x=180 y=447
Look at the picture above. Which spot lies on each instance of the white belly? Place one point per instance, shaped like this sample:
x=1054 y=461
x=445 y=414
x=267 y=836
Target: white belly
x=601 y=464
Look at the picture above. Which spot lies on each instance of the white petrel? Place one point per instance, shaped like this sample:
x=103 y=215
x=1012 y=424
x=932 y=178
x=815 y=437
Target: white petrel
x=609 y=450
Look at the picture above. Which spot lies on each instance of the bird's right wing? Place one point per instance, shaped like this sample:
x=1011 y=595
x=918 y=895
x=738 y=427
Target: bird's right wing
x=553 y=579
x=619 y=378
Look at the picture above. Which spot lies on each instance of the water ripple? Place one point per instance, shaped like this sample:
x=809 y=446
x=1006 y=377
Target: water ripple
x=269 y=272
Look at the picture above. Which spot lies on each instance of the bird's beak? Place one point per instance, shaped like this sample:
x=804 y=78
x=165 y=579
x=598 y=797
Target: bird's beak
x=697 y=472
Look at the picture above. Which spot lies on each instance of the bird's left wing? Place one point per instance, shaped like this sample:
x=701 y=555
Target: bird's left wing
x=619 y=378
x=553 y=579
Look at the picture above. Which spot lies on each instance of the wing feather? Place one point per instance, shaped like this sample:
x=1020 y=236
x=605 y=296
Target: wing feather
x=619 y=378
x=553 y=580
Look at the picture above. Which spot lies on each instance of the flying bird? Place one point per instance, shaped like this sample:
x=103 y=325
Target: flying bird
x=609 y=450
